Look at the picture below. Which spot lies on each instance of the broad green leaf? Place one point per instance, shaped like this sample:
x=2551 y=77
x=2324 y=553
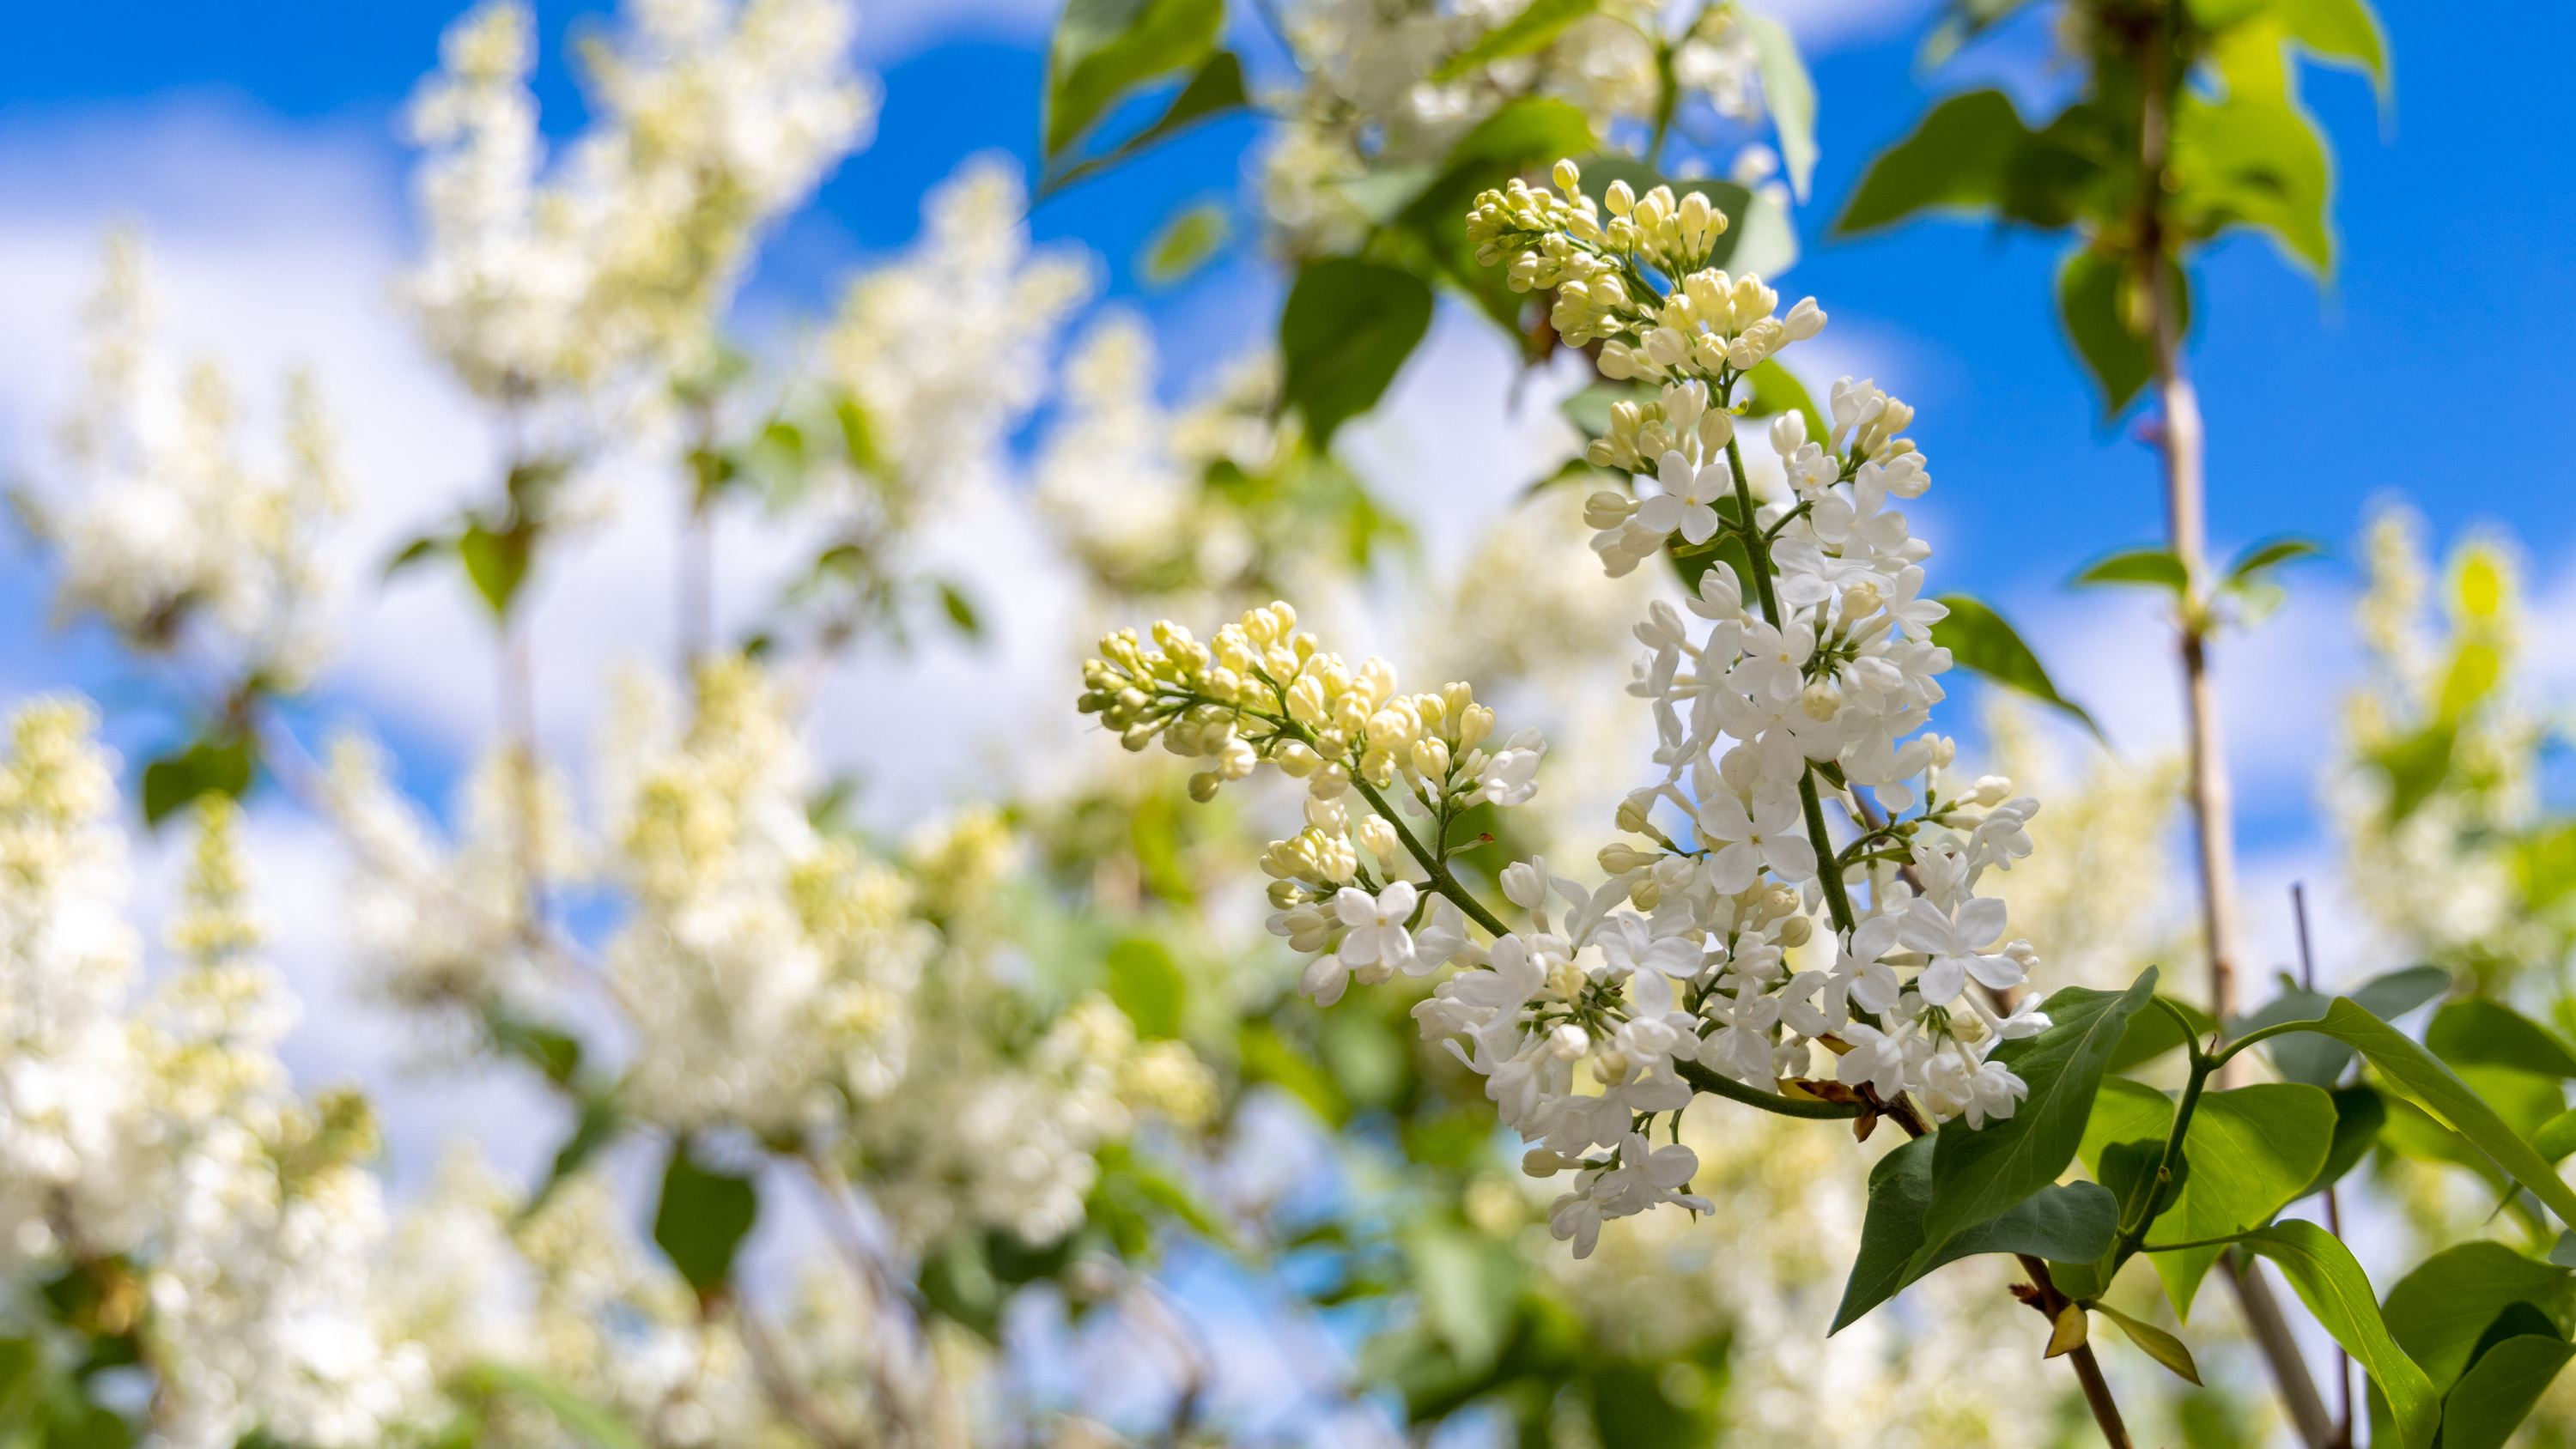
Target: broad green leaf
x=1953 y=161
x=2070 y=1222
x=1147 y=985
x=2123 y=1111
x=1774 y=389
x=2416 y=764
x=1466 y=1282
x=2319 y=1061
x=2420 y=1076
x=2438 y=1311
x=2556 y=1137
x=2254 y=160
x=2154 y=567
x=1981 y=641
x=702 y=1218
x=1347 y=329
x=2501 y=1389
x=2154 y=1032
x=1215 y=89
x=584 y=1419
x=2108 y=316
x=1891 y=1233
x=217 y=765
x=600 y=1121
x=2157 y=1344
x=859 y=436
x=2253 y=1151
x=1185 y=243
x=2544 y=870
x=1104 y=49
x=497 y=563
x=1788 y=93
x=2490 y=1033
x=1535 y=28
x=1979 y=1173
x=2338 y=1293
x=2359 y=1114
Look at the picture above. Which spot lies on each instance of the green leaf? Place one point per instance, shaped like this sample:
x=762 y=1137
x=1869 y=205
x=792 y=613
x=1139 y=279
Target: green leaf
x=420 y=549
x=1777 y=390
x=2338 y=1293
x=2490 y=1033
x=1147 y=985
x=1981 y=641
x=859 y=437
x=218 y=765
x=1467 y=1283
x=2556 y=1137
x=2359 y=1114
x=2417 y=765
x=2271 y=554
x=600 y=1121
x=2501 y=1389
x=1535 y=28
x=1954 y=161
x=2438 y=1311
x=2319 y=1061
x=2422 y=1079
x=2151 y=1034
x=2106 y=312
x=1104 y=49
x=1185 y=243
x=703 y=1217
x=1269 y=1057
x=1346 y=331
x=2254 y=160
x=2253 y=1151
x=960 y=609
x=2123 y=1111
x=2153 y=567
x=1215 y=89
x=576 y=1414
x=1979 y=1173
x=2075 y=1221
x=1789 y=93
x=497 y=563
x=2157 y=1344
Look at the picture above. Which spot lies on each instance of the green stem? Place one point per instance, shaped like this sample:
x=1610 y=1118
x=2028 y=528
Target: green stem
x=2194 y=1243
x=1710 y=1082
x=1432 y=865
x=1829 y=867
x=2279 y=1028
x=2134 y=1235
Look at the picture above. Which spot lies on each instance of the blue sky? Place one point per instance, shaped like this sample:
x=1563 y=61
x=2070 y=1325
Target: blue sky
x=2425 y=368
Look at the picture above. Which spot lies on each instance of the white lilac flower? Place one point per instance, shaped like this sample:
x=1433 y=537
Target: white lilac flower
x=1376 y=943
x=1954 y=942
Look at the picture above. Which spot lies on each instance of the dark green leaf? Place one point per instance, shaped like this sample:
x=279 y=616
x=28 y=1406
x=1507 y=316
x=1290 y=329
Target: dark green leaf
x=2359 y=1114
x=2153 y=1033
x=2438 y=1312
x=2108 y=317
x=2253 y=1151
x=1981 y=641
x=1535 y=28
x=555 y=1052
x=497 y=563
x=1788 y=93
x=1953 y=161
x=1147 y=985
x=703 y=1217
x=2153 y=567
x=1891 y=1233
x=1979 y=1173
x=2338 y=1293
x=214 y=766
x=2398 y=992
x=600 y=1121
x=1105 y=49
x=2490 y=1033
x=2317 y=1060
x=2501 y=1389
x=957 y=1280
x=1185 y=243
x=1215 y=89
x=2071 y=1222
x=1347 y=329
